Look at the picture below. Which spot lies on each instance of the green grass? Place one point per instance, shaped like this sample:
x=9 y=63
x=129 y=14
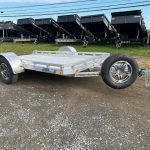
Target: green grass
x=133 y=50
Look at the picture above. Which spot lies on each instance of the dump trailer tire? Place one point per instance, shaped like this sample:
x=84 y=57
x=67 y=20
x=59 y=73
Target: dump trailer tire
x=6 y=74
x=119 y=71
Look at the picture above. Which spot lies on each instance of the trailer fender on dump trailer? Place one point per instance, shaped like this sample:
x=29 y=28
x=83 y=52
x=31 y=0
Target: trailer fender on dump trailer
x=118 y=71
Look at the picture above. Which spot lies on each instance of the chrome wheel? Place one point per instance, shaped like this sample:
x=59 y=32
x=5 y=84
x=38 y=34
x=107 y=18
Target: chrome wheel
x=4 y=71
x=120 y=72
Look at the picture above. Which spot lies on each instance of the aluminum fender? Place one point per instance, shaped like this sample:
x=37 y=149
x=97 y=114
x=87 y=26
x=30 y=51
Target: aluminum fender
x=14 y=62
x=68 y=49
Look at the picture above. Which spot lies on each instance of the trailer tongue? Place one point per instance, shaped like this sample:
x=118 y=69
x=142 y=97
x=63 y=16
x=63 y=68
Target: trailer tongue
x=118 y=71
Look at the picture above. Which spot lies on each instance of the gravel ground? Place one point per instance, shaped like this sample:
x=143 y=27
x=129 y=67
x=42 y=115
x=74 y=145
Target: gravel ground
x=56 y=113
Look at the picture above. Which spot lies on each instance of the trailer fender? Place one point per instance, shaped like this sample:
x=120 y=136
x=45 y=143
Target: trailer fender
x=68 y=50
x=14 y=62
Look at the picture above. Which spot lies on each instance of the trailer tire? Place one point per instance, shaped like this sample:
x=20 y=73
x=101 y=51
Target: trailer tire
x=6 y=73
x=119 y=71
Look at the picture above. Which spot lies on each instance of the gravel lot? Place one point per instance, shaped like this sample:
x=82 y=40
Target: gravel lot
x=56 y=113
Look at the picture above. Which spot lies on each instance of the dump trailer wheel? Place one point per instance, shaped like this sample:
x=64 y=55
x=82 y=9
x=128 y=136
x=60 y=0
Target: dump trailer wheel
x=6 y=72
x=119 y=71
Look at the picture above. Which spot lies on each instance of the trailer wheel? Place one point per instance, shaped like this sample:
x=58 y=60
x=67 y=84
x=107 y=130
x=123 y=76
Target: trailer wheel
x=6 y=72
x=119 y=71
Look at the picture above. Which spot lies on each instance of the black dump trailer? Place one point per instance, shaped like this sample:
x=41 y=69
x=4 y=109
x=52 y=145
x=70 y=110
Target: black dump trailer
x=29 y=24
x=100 y=26
x=52 y=27
x=72 y=24
x=9 y=31
x=131 y=26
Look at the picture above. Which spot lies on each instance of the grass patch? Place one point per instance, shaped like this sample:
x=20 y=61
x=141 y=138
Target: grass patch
x=20 y=49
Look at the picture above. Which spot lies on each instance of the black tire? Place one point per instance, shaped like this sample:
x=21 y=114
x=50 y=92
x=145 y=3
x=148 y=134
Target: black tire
x=105 y=72
x=12 y=77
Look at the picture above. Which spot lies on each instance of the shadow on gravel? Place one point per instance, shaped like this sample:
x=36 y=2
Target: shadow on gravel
x=94 y=84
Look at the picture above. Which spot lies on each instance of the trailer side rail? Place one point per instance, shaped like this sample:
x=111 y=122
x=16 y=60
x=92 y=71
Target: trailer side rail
x=71 y=53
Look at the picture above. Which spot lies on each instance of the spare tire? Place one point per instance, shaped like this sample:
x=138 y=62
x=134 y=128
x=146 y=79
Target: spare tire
x=119 y=71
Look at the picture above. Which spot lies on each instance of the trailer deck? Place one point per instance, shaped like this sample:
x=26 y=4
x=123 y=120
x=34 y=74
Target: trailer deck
x=62 y=63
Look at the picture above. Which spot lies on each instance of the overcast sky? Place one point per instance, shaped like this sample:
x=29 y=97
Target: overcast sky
x=98 y=3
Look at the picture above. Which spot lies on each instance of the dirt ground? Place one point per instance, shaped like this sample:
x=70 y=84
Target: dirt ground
x=143 y=62
x=48 y=112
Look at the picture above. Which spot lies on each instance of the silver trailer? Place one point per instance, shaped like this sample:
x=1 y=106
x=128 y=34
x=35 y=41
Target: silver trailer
x=118 y=71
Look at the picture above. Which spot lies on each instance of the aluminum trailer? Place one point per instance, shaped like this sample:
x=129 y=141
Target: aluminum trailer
x=118 y=71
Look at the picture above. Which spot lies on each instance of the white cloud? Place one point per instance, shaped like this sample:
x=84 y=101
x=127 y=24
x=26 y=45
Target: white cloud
x=35 y=1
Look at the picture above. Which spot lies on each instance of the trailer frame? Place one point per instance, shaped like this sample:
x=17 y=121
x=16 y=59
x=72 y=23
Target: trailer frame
x=114 y=69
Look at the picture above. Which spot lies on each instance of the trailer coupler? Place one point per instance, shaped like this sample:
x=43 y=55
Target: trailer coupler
x=146 y=73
